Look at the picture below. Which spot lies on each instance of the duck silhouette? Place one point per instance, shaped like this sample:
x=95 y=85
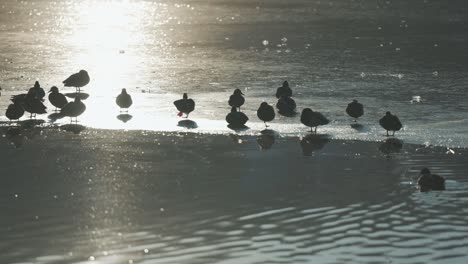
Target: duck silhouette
x=236 y=119
x=37 y=91
x=14 y=111
x=30 y=103
x=124 y=100
x=313 y=119
x=355 y=110
x=56 y=98
x=286 y=106
x=73 y=109
x=390 y=123
x=266 y=113
x=284 y=90
x=77 y=80
x=428 y=181
x=236 y=99
x=184 y=105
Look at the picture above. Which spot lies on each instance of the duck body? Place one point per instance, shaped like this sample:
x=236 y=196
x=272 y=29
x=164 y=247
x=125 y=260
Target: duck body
x=14 y=111
x=56 y=98
x=73 y=109
x=30 y=103
x=265 y=112
x=284 y=90
x=236 y=99
x=355 y=109
x=77 y=80
x=286 y=106
x=124 y=100
x=428 y=181
x=37 y=91
x=236 y=119
x=313 y=119
x=390 y=123
x=185 y=105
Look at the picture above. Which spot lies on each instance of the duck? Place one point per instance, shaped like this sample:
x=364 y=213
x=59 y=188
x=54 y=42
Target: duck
x=14 y=111
x=30 y=103
x=313 y=119
x=390 y=123
x=236 y=99
x=184 y=105
x=286 y=106
x=266 y=113
x=428 y=181
x=73 y=109
x=37 y=91
x=355 y=110
x=284 y=90
x=77 y=80
x=236 y=119
x=124 y=100
x=56 y=98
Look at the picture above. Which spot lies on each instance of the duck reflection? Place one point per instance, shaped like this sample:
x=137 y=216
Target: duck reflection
x=359 y=127
x=54 y=117
x=124 y=117
x=266 y=139
x=187 y=123
x=82 y=96
x=30 y=123
x=75 y=128
x=391 y=145
x=313 y=142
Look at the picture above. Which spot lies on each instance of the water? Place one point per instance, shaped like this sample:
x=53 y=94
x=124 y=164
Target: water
x=123 y=197
x=331 y=52
x=78 y=198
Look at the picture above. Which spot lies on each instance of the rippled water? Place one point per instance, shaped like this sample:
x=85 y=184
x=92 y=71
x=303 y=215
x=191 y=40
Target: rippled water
x=128 y=194
x=139 y=197
x=381 y=53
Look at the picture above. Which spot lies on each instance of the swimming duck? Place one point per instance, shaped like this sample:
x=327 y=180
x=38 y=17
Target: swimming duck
x=284 y=90
x=236 y=99
x=56 y=98
x=355 y=110
x=390 y=122
x=428 y=181
x=124 y=100
x=184 y=105
x=266 y=113
x=313 y=119
x=77 y=80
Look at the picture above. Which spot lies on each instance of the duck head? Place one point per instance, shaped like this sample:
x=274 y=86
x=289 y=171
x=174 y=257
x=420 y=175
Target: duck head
x=425 y=171
x=53 y=89
x=37 y=85
x=124 y=91
x=238 y=92
x=185 y=96
x=285 y=84
x=388 y=113
x=307 y=111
